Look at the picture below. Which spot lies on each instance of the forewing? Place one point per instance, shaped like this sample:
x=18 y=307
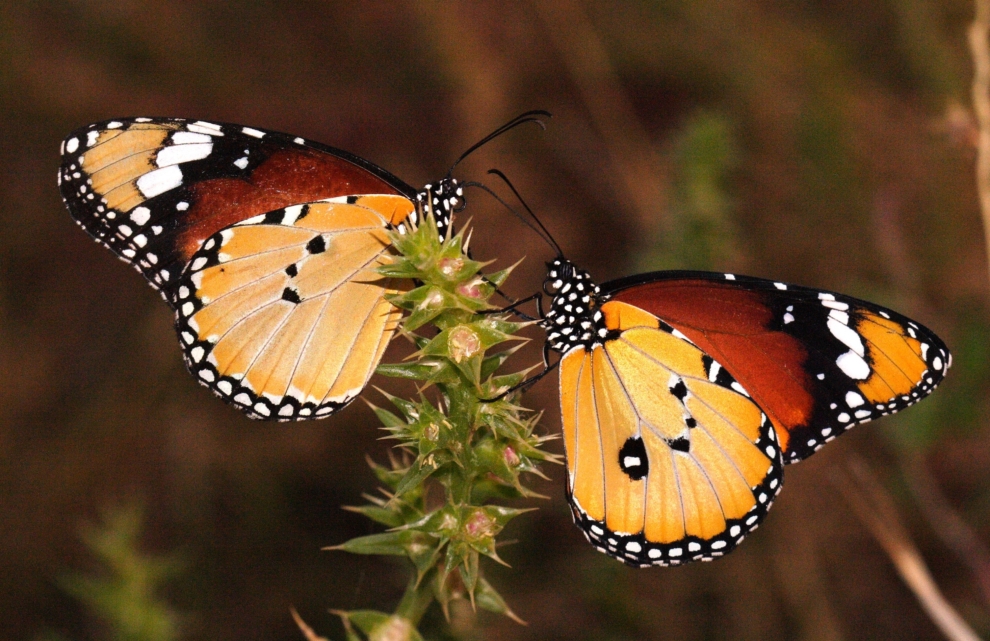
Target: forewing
x=816 y=362
x=284 y=315
x=153 y=190
x=667 y=462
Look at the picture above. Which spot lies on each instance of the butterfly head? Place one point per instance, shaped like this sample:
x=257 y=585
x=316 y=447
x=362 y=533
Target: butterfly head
x=442 y=200
x=574 y=317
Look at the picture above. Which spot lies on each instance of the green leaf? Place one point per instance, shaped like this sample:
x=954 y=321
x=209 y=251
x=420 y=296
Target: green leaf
x=487 y=598
x=494 y=361
x=414 y=371
x=378 y=514
x=387 y=418
x=388 y=476
x=421 y=470
x=470 y=573
x=393 y=543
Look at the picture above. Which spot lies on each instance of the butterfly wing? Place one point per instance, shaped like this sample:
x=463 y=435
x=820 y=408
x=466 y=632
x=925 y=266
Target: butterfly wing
x=666 y=464
x=283 y=315
x=278 y=306
x=816 y=362
x=153 y=189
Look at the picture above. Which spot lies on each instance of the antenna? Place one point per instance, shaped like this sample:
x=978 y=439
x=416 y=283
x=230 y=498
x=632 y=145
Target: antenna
x=546 y=234
x=515 y=213
x=529 y=116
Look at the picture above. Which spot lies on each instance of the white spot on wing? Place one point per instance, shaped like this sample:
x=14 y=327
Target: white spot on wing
x=853 y=399
x=159 y=181
x=713 y=372
x=842 y=317
x=205 y=128
x=177 y=154
x=252 y=132
x=291 y=214
x=847 y=336
x=241 y=162
x=739 y=388
x=190 y=138
x=141 y=215
x=853 y=366
x=71 y=145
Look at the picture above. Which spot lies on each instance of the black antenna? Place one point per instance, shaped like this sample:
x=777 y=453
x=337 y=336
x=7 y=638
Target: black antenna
x=515 y=213
x=546 y=234
x=529 y=116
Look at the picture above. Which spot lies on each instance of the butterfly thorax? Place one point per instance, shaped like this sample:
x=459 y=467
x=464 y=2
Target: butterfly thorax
x=441 y=200
x=575 y=317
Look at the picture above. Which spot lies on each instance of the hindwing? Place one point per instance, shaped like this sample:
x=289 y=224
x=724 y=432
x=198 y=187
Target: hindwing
x=284 y=315
x=669 y=460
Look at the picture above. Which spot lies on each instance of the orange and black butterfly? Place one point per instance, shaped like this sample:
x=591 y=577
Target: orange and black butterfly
x=683 y=394
x=264 y=244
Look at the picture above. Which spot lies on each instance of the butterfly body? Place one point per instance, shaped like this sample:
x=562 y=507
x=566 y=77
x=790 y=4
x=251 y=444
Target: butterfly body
x=264 y=244
x=684 y=394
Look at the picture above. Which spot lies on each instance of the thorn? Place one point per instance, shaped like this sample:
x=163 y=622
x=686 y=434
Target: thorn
x=305 y=629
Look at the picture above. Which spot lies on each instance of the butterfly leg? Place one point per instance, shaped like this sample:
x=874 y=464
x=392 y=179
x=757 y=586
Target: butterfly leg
x=529 y=382
x=538 y=297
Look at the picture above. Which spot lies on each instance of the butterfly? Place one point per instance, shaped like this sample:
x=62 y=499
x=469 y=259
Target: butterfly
x=265 y=245
x=684 y=393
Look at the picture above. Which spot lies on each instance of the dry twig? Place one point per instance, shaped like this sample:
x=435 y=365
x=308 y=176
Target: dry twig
x=874 y=507
x=979 y=46
x=948 y=524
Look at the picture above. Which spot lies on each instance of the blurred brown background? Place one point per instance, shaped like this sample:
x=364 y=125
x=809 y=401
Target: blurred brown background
x=822 y=143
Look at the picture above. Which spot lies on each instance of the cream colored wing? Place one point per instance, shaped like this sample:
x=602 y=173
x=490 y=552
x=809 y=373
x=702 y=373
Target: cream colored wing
x=283 y=315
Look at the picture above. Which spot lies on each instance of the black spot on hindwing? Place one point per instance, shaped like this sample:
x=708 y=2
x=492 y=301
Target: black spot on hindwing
x=632 y=459
x=317 y=246
x=291 y=295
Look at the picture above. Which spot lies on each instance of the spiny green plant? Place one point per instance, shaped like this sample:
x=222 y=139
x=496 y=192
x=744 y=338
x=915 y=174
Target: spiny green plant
x=453 y=436
x=125 y=595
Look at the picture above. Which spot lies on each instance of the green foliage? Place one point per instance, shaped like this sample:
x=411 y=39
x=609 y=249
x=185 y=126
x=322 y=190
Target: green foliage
x=124 y=596
x=467 y=441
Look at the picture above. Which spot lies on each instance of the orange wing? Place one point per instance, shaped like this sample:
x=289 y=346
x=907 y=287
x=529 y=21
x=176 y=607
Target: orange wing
x=666 y=462
x=284 y=314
